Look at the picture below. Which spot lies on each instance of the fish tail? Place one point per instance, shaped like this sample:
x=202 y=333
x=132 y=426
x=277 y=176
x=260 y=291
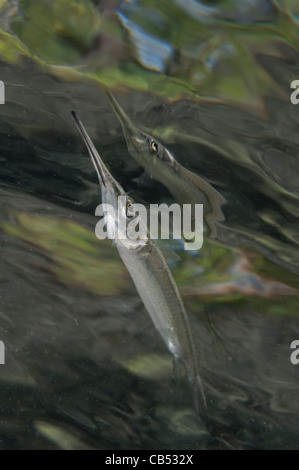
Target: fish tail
x=198 y=394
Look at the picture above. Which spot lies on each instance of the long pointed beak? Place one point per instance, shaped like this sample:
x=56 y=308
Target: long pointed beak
x=105 y=178
x=130 y=130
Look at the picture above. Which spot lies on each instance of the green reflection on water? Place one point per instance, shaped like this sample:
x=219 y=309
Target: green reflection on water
x=72 y=40
x=218 y=274
x=77 y=258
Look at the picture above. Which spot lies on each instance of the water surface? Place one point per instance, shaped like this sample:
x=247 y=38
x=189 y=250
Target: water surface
x=85 y=367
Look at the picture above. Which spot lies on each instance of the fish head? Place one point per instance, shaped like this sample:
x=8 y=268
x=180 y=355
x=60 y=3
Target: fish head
x=119 y=209
x=110 y=188
x=145 y=148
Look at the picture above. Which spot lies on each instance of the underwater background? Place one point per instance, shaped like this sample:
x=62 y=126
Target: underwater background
x=84 y=366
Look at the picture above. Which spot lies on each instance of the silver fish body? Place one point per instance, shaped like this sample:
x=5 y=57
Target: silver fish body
x=151 y=276
x=160 y=295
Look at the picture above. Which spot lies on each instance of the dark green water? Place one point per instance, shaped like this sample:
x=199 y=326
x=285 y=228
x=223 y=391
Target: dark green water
x=85 y=367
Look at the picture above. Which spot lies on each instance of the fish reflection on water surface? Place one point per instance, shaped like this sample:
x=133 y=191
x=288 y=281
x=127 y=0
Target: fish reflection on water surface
x=151 y=276
x=188 y=187
x=185 y=186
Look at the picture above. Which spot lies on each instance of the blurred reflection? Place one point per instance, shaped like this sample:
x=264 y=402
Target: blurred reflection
x=185 y=186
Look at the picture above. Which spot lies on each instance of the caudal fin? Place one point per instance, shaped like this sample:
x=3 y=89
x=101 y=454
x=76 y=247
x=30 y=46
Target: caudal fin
x=199 y=395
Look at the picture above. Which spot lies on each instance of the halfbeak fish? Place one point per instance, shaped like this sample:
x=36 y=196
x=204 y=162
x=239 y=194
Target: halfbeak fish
x=150 y=273
x=185 y=186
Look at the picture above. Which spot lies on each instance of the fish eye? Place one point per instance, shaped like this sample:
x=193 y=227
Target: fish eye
x=130 y=211
x=154 y=146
